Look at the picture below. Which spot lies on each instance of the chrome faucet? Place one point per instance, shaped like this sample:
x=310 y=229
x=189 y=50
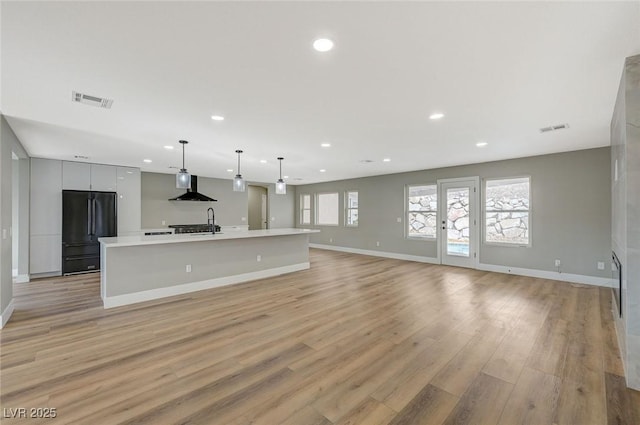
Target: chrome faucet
x=211 y=220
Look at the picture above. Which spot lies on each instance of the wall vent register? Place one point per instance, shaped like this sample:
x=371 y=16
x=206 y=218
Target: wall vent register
x=86 y=99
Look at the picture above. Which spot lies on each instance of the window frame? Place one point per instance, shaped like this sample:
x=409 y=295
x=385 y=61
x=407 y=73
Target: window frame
x=484 y=214
x=303 y=209
x=347 y=208
x=408 y=211
x=317 y=207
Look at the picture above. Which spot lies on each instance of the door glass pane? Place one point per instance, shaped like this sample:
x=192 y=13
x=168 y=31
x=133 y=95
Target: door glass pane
x=458 y=221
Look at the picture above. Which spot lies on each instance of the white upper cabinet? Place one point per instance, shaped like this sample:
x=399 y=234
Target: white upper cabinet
x=45 y=197
x=129 y=200
x=76 y=176
x=103 y=178
x=84 y=176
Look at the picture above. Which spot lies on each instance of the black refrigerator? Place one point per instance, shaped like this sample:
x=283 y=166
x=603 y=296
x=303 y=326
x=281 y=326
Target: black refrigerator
x=86 y=216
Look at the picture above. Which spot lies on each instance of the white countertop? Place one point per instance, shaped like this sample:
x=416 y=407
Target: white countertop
x=181 y=238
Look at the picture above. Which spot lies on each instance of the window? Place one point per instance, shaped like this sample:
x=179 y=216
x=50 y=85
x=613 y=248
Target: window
x=327 y=209
x=305 y=209
x=507 y=214
x=422 y=207
x=351 y=201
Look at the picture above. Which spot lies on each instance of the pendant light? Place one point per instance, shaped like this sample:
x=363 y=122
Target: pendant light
x=183 y=178
x=281 y=186
x=238 y=182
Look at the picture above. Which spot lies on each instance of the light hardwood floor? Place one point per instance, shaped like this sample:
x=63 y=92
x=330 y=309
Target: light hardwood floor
x=353 y=340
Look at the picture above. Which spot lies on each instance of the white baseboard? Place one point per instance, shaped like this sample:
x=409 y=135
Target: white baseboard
x=6 y=314
x=394 y=255
x=46 y=274
x=21 y=278
x=153 y=294
x=543 y=274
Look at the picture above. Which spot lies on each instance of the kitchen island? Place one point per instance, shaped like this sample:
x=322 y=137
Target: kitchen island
x=142 y=268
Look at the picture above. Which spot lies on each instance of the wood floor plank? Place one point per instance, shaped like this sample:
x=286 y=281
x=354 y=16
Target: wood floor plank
x=352 y=340
x=431 y=406
x=534 y=399
x=623 y=404
x=482 y=403
x=463 y=369
x=370 y=412
x=612 y=359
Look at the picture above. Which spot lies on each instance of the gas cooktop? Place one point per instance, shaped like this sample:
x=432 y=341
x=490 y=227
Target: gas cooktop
x=192 y=228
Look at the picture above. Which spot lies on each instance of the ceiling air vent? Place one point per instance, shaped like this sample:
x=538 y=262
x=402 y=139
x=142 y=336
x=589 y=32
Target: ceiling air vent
x=554 y=128
x=91 y=100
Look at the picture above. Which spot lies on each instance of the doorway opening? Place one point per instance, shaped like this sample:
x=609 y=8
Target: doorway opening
x=258 y=207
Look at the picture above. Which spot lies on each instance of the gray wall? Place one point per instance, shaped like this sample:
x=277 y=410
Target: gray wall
x=570 y=204
x=8 y=143
x=230 y=209
x=21 y=177
x=625 y=199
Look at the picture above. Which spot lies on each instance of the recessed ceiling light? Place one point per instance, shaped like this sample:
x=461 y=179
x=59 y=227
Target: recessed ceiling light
x=285 y=177
x=325 y=145
x=323 y=170
x=217 y=118
x=263 y=161
x=147 y=160
x=323 y=44
x=436 y=116
x=481 y=144
x=230 y=170
x=386 y=160
x=169 y=148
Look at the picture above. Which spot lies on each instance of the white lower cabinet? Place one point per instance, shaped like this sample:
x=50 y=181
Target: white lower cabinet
x=45 y=254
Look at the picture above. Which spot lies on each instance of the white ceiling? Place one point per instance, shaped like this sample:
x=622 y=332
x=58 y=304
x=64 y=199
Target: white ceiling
x=499 y=71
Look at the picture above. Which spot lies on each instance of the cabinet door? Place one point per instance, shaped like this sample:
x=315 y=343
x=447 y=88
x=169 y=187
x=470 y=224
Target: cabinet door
x=76 y=175
x=129 y=200
x=45 y=207
x=45 y=254
x=103 y=178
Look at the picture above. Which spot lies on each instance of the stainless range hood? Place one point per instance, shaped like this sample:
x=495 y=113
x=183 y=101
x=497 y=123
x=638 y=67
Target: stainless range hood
x=192 y=194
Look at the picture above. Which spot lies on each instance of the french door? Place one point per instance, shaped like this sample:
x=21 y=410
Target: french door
x=458 y=221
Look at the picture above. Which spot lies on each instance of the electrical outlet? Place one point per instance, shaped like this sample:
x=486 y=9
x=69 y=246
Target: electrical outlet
x=399 y=219
x=377 y=243
x=557 y=263
x=188 y=268
x=243 y=218
x=330 y=240
x=600 y=265
x=259 y=258
x=273 y=219
x=164 y=222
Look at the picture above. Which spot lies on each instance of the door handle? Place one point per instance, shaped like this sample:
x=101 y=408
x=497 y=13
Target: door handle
x=93 y=219
x=88 y=216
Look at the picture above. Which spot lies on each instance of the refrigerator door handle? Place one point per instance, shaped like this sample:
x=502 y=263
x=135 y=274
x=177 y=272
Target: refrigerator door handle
x=88 y=216
x=93 y=218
